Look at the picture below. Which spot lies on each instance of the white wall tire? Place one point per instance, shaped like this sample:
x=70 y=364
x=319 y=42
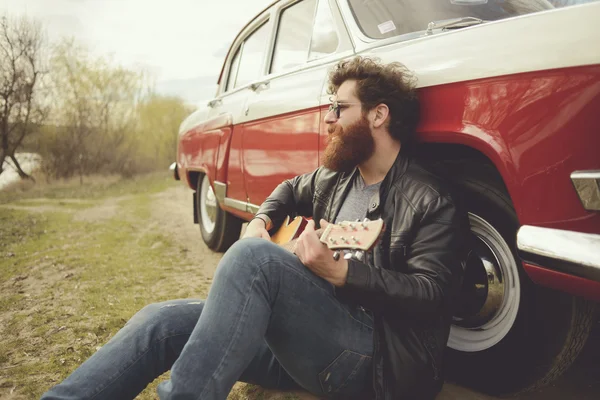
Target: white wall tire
x=208 y=206
x=528 y=335
x=499 y=283
x=219 y=228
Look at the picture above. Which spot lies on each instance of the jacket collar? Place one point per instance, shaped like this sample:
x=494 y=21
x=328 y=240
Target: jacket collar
x=396 y=172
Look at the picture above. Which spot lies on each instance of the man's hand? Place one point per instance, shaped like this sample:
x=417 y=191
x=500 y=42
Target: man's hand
x=318 y=258
x=256 y=228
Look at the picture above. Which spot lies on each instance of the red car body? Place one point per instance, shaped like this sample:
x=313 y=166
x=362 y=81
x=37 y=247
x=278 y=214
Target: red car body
x=518 y=96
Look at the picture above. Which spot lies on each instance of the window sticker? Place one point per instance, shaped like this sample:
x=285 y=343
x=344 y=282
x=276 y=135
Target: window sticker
x=386 y=27
x=468 y=2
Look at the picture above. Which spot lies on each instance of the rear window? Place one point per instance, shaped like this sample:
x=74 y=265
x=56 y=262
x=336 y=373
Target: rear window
x=380 y=19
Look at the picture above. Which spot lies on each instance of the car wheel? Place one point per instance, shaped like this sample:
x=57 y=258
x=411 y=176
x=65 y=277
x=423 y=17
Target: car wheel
x=508 y=335
x=219 y=228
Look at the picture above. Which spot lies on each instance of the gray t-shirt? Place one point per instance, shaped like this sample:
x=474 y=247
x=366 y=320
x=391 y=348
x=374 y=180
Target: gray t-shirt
x=356 y=202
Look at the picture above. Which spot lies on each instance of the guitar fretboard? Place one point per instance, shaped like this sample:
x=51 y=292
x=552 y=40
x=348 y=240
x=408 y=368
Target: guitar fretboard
x=289 y=246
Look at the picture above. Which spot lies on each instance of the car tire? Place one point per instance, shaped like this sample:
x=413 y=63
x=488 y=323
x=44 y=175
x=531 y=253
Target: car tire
x=219 y=228
x=508 y=334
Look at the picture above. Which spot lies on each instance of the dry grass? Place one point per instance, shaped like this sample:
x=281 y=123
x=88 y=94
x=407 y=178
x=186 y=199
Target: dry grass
x=61 y=247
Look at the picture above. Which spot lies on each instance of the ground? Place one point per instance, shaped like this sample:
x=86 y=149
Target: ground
x=76 y=262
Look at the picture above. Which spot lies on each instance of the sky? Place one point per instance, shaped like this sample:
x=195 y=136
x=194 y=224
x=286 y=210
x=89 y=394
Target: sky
x=181 y=42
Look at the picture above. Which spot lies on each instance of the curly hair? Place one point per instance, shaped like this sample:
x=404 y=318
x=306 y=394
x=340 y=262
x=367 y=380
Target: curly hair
x=376 y=83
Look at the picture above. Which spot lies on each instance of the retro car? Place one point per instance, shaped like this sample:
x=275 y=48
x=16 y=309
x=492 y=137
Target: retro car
x=510 y=94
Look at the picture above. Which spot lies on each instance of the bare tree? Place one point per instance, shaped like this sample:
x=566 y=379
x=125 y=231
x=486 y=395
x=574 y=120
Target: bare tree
x=21 y=72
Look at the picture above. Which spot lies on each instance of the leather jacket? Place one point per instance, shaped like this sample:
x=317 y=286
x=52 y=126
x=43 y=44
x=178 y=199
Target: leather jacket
x=408 y=281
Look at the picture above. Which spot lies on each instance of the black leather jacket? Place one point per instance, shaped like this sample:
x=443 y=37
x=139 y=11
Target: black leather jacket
x=410 y=278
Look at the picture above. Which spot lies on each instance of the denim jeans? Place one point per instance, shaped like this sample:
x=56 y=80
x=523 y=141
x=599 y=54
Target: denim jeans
x=267 y=320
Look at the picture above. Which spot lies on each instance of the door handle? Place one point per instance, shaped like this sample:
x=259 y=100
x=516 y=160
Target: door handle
x=215 y=103
x=258 y=86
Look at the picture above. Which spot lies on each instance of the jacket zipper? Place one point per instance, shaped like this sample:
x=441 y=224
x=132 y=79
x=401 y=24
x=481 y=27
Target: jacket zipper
x=376 y=384
x=429 y=342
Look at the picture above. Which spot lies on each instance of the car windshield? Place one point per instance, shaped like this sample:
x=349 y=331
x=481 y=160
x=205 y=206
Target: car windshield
x=380 y=19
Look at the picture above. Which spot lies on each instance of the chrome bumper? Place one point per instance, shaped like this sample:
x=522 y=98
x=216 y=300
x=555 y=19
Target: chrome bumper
x=573 y=253
x=173 y=168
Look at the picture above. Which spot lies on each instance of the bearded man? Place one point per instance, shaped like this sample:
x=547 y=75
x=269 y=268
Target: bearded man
x=372 y=327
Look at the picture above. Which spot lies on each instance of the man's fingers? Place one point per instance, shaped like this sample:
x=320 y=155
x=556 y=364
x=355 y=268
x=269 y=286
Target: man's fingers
x=323 y=223
x=297 y=250
x=309 y=231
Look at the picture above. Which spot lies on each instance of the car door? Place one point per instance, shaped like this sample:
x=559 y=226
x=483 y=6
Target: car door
x=244 y=65
x=282 y=118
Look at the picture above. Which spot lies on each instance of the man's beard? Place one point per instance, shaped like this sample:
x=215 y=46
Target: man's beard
x=348 y=148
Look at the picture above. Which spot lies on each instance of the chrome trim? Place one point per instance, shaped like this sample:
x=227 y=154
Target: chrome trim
x=252 y=208
x=451 y=22
x=214 y=103
x=259 y=86
x=241 y=205
x=238 y=205
x=220 y=191
x=574 y=253
x=587 y=185
x=173 y=168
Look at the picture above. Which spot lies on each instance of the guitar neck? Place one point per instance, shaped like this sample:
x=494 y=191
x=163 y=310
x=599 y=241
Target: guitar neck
x=289 y=246
x=347 y=235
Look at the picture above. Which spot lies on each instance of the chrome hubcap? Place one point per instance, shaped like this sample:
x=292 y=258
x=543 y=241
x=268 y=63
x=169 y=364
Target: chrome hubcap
x=490 y=296
x=208 y=206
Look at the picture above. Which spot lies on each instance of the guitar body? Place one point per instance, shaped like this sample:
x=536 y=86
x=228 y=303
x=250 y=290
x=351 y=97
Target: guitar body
x=289 y=230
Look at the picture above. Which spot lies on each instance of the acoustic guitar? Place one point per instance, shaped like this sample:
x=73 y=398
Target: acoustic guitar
x=359 y=236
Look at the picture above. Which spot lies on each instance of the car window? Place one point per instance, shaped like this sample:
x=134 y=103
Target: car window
x=251 y=60
x=235 y=63
x=386 y=18
x=293 y=35
x=324 y=39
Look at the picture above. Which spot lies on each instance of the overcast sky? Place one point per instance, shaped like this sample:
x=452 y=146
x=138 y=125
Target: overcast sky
x=183 y=42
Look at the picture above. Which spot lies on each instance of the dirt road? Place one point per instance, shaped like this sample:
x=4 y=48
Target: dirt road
x=173 y=208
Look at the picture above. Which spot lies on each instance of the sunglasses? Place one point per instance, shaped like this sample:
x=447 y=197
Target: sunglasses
x=337 y=107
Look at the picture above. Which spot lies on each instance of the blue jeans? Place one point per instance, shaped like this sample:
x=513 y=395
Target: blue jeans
x=267 y=320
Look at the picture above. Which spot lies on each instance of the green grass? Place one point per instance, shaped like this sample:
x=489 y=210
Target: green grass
x=69 y=285
x=76 y=262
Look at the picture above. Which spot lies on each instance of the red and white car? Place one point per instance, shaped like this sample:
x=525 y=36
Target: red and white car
x=510 y=94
